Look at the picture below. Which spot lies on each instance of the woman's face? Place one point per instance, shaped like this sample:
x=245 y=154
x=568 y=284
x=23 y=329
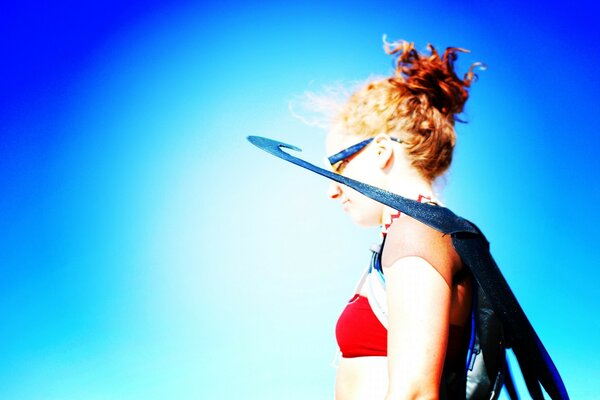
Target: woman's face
x=362 y=166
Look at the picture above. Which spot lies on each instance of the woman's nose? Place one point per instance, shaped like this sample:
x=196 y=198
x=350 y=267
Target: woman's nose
x=334 y=190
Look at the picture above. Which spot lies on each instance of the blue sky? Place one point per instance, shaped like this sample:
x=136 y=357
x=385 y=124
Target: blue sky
x=148 y=251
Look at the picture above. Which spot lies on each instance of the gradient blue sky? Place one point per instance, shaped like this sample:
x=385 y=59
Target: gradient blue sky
x=148 y=251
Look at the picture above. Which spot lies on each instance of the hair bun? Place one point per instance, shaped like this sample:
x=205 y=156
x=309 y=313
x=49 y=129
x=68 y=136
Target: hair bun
x=431 y=75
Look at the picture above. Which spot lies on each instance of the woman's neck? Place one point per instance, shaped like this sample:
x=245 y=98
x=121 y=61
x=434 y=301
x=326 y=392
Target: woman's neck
x=410 y=185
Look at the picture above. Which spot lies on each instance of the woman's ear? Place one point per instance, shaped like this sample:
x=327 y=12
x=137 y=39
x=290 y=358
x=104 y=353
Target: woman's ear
x=384 y=151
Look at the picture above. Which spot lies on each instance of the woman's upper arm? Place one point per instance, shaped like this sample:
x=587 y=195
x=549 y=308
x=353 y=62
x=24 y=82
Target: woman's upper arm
x=418 y=265
x=418 y=307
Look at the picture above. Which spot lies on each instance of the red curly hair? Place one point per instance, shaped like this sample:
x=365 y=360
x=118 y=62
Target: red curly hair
x=418 y=104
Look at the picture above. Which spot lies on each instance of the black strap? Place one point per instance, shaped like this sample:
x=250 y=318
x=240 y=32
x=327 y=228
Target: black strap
x=473 y=248
x=442 y=219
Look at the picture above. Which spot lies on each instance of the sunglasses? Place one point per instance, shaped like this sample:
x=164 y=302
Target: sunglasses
x=342 y=158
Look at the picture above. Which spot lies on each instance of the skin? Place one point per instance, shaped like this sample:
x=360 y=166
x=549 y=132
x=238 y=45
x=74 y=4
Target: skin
x=421 y=299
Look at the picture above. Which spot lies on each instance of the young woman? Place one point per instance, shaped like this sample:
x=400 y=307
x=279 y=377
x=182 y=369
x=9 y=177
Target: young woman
x=397 y=134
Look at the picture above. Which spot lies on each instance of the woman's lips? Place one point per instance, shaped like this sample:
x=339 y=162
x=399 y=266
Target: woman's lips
x=345 y=204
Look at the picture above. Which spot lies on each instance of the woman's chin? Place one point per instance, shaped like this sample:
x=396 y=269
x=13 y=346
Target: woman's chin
x=363 y=220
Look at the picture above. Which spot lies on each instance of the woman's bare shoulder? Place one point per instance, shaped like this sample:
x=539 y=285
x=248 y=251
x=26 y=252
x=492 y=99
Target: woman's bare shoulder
x=408 y=237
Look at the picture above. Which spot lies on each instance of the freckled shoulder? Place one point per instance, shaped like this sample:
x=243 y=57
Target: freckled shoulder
x=409 y=237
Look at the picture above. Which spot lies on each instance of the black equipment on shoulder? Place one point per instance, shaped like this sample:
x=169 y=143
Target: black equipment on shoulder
x=498 y=318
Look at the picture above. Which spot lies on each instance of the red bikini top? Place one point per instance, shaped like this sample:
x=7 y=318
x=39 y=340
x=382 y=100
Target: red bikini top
x=358 y=331
x=360 y=334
